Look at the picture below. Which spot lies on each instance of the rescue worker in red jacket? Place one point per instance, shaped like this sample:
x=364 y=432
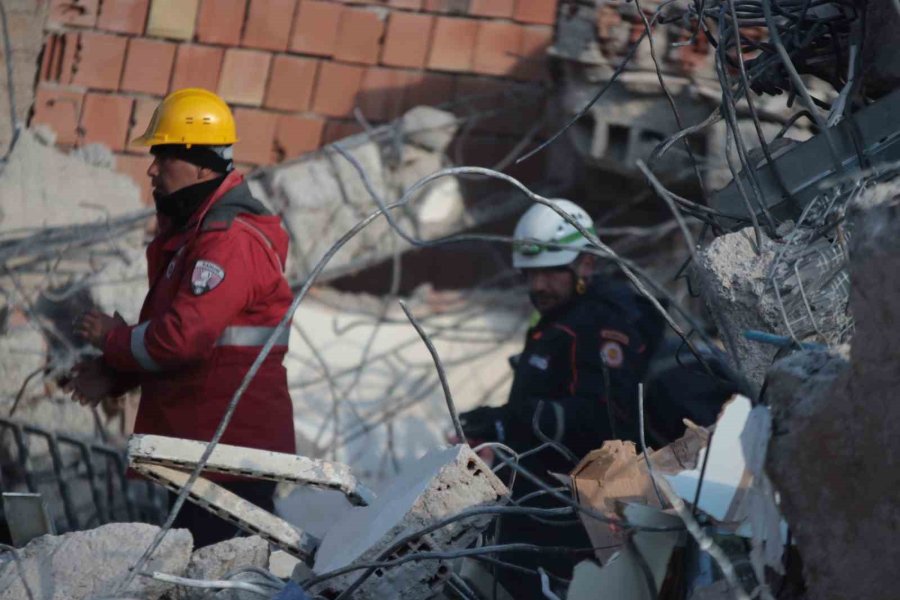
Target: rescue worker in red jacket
x=217 y=291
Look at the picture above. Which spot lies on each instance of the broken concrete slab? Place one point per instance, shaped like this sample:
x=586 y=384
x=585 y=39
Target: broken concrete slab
x=43 y=187
x=795 y=287
x=442 y=483
x=834 y=456
x=84 y=564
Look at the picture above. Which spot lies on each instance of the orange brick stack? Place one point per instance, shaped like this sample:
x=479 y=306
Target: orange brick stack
x=293 y=70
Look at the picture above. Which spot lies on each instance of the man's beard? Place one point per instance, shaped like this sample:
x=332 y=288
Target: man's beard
x=543 y=301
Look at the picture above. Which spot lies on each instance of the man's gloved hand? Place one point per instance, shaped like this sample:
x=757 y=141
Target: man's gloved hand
x=485 y=423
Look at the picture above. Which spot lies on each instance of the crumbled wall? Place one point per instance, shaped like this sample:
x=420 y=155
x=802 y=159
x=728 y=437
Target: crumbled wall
x=835 y=453
x=292 y=70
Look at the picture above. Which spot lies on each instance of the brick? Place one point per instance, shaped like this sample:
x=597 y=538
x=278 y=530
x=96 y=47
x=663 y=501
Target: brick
x=291 y=83
x=429 y=89
x=136 y=167
x=73 y=13
x=381 y=96
x=336 y=89
x=539 y=12
x=93 y=60
x=338 y=130
x=453 y=44
x=148 y=66
x=243 y=77
x=105 y=120
x=497 y=49
x=256 y=135
x=60 y=110
x=407 y=40
x=172 y=19
x=411 y=4
x=52 y=56
x=221 y=21
x=124 y=16
x=137 y=125
x=196 y=66
x=359 y=36
x=316 y=27
x=492 y=8
x=296 y=135
x=268 y=25
x=532 y=63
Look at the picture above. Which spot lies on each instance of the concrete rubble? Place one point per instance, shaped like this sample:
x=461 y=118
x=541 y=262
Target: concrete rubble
x=805 y=306
x=219 y=560
x=441 y=484
x=83 y=564
x=834 y=455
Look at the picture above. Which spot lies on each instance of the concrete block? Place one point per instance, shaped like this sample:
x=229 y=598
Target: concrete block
x=441 y=484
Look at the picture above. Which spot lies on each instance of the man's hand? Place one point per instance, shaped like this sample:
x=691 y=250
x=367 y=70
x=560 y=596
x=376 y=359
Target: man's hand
x=91 y=382
x=93 y=327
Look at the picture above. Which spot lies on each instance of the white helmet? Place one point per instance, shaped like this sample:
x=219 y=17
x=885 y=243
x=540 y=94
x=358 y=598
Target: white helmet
x=542 y=223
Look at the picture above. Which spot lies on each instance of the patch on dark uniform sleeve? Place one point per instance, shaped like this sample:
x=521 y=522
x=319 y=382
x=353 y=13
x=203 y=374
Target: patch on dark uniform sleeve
x=206 y=277
x=612 y=354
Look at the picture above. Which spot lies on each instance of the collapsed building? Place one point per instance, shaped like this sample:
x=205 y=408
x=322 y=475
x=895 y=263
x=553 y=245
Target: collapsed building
x=780 y=218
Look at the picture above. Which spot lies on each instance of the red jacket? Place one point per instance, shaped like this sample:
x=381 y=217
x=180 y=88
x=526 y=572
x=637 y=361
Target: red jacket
x=217 y=290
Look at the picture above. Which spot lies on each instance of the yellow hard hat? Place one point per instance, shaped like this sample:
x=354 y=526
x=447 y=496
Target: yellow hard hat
x=190 y=116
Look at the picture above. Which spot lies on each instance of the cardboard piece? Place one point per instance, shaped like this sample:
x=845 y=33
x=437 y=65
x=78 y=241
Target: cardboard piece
x=617 y=473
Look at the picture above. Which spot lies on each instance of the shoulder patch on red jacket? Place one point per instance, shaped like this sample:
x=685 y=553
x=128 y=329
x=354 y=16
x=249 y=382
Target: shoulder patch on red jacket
x=206 y=276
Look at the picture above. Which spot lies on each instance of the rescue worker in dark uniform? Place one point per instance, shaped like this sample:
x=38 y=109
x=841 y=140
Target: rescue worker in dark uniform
x=575 y=382
x=217 y=291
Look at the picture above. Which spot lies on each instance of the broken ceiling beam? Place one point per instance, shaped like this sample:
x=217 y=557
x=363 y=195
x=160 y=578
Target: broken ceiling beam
x=236 y=510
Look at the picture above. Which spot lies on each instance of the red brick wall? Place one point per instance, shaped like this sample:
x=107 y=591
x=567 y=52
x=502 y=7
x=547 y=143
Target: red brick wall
x=293 y=70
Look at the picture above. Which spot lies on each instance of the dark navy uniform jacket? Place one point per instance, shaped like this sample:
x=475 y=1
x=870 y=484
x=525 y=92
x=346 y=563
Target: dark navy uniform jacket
x=580 y=370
